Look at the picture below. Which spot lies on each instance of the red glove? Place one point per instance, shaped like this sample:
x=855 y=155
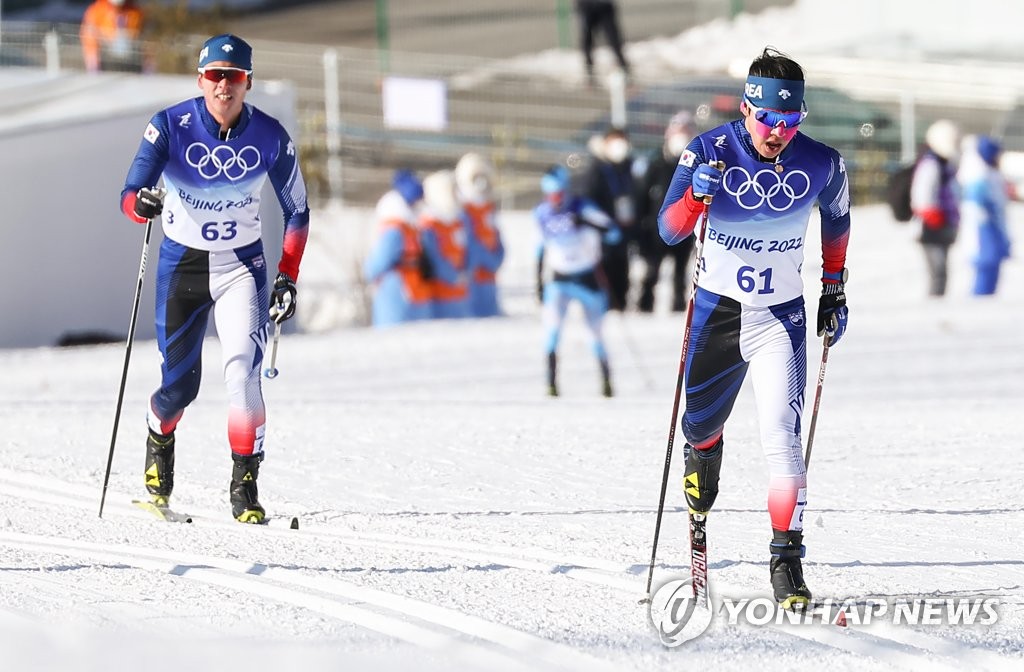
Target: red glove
x=933 y=218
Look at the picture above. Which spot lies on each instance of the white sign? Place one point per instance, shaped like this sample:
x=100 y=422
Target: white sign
x=416 y=104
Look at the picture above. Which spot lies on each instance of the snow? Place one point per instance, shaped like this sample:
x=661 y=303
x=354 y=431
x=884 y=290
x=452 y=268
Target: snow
x=455 y=518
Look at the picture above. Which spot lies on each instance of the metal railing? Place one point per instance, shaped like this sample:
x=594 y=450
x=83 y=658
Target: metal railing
x=524 y=118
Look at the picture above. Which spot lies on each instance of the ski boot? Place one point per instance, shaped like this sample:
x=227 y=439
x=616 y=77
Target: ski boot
x=245 y=505
x=552 y=366
x=787 y=575
x=606 y=379
x=159 y=472
x=700 y=479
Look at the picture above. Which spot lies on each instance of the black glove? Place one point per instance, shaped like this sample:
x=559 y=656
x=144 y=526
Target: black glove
x=282 y=299
x=149 y=202
x=832 y=311
x=425 y=266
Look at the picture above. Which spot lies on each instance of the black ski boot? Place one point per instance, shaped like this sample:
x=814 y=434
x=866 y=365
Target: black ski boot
x=245 y=505
x=606 y=379
x=700 y=479
x=552 y=367
x=160 y=468
x=787 y=575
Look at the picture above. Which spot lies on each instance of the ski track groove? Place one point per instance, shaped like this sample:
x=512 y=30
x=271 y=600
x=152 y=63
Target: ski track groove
x=338 y=599
x=904 y=647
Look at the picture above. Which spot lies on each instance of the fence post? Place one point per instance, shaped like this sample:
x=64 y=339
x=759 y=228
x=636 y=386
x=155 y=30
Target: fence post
x=617 y=95
x=562 y=11
x=332 y=121
x=51 y=46
x=383 y=35
x=908 y=133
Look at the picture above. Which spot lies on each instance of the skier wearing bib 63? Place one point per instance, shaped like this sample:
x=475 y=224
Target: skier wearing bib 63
x=214 y=153
x=748 y=311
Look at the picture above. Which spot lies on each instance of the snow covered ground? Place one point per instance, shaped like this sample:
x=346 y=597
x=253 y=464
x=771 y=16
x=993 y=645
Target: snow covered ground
x=455 y=518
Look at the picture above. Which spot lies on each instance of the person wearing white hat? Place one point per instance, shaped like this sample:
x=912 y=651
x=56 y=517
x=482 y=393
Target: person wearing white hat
x=934 y=200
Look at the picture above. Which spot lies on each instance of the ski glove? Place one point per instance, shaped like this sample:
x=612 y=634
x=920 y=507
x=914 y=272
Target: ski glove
x=282 y=298
x=832 y=311
x=706 y=181
x=149 y=202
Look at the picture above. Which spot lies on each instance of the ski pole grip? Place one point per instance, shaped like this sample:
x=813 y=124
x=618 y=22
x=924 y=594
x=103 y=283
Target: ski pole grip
x=720 y=165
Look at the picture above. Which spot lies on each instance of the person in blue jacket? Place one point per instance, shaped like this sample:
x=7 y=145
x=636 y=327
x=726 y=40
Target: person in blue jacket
x=474 y=177
x=572 y=230
x=400 y=263
x=983 y=199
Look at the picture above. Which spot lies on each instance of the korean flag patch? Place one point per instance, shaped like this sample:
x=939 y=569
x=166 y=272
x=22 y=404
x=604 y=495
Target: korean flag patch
x=151 y=134
x=687 y=158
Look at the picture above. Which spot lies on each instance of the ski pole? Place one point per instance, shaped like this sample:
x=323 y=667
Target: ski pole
x=127 y=358
x=817 y=401
x=698 y=253
x=271 y=371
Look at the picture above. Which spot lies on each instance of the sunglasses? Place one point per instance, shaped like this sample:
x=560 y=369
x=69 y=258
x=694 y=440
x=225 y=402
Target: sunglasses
x=772 y=119
x=233 y=75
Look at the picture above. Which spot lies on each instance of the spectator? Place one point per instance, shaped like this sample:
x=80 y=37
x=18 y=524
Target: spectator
x=111 y=33
x=652 y=187
x=609 y=183
x=934 y=200
x=474 y=177
x=984 y=194
x=443 y=218
x=401 y=259
x=571 y=231
x=599 y=15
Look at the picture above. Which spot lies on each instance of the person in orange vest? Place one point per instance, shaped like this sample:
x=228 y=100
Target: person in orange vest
x=402 y=257
x=442 y=215
x=111 y=33
x=474 y=177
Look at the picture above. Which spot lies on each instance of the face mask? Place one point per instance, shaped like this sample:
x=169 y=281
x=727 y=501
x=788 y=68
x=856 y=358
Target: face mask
x=616 y=150
x=677 y=142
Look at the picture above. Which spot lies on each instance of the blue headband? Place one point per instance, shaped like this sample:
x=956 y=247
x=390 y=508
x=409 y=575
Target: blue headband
x=775 y=94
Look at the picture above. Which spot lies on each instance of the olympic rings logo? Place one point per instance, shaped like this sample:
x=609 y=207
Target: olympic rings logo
x=222 y=159
x=779 y=193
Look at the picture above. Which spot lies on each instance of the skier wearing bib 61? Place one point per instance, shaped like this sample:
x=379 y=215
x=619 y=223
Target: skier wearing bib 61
x=748 y=311
x=214 y=153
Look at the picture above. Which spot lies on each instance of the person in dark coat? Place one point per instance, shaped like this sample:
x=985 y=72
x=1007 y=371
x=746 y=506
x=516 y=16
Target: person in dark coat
x=599 y=15
x=651 y=188
x=609 y=183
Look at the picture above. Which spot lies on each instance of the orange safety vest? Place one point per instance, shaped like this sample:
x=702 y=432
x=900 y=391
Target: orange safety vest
x=103 y=23
x=482 y=217
x=417 y=289
x=451 y=239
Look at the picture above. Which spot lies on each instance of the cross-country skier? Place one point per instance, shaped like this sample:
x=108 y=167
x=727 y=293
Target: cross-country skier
x=748 y=312
x=572 y=230
x=214 y=153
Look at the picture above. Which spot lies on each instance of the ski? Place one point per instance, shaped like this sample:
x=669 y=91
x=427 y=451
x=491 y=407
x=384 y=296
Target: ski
x=163 y=513
x=699 y=558
x=171 y=516
x=271 y=521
